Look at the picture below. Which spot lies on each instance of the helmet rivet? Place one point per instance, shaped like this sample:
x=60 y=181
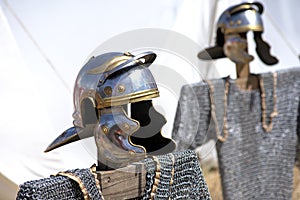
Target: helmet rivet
x=108 y=91
x=231 y=23
x=131 y=153
x=238 y=22
x=105 y=129
x=126 y=126
x=121 y=88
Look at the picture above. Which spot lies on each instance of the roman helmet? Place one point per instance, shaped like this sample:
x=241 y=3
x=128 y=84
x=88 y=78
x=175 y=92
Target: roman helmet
x=231 y=41
x=113 y=102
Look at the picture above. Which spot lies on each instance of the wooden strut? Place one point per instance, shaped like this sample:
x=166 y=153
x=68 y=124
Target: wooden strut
x=245 y=80
x=125 y=183
x=129 y=182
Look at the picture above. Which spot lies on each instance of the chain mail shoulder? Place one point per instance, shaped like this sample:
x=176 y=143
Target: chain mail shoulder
x=192 y=124
x=254 y=164
x=77 y=184
x=175 y=176
x=55 y=187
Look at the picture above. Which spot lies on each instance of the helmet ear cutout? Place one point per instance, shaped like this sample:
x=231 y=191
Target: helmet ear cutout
x=89 y=111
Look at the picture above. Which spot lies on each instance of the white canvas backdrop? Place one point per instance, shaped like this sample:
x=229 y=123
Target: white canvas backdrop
x=44 y=44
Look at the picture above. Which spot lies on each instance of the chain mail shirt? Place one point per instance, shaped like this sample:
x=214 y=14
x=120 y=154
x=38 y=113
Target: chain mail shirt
x=254 y=164
x=172 y=176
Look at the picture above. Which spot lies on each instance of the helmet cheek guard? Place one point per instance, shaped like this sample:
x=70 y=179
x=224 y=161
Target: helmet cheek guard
x=263 y=50
x=112 y=137
x=103 y=88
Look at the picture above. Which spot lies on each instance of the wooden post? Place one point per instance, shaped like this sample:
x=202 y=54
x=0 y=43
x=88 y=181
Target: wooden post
x=242 y=70
x=245 y=80
x=125 y=183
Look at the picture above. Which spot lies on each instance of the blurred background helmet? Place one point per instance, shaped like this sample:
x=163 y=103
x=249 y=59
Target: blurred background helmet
x=239 y=19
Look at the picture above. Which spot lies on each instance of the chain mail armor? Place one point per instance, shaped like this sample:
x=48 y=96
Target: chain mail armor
x=187 y=181
x=254 y=164
x=172 y=176
x=75 y=184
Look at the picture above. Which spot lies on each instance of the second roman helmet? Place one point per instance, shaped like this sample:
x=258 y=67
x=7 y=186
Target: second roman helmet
x=232 y=26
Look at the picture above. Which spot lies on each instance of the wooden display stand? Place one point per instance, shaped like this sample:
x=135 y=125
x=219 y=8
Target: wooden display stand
x=125 y=183
x=245 y=80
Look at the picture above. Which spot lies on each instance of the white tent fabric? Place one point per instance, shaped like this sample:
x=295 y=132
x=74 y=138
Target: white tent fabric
x=45 y=43
x=23 y=120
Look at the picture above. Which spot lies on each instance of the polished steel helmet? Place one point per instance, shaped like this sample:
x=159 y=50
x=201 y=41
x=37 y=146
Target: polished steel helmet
x=237 y=20
x=104 y=87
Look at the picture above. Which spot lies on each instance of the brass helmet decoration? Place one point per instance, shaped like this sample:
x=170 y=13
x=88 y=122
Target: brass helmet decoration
x=231 y=40
x=104 y=87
